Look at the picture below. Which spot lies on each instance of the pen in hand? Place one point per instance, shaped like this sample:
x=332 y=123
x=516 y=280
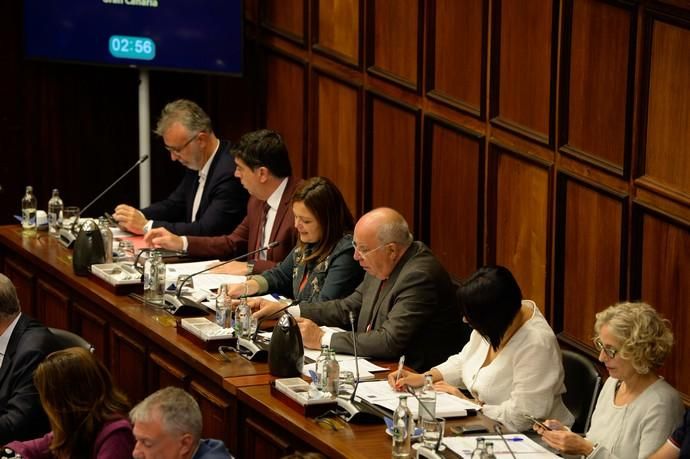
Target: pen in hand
x=401 y=364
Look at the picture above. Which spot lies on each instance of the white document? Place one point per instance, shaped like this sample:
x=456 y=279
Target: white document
x=521 y=445
x=175 y=269
x=382 y=394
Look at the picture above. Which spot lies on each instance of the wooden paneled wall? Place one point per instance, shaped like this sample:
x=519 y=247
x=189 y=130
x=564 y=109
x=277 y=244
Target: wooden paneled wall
x=550 y=136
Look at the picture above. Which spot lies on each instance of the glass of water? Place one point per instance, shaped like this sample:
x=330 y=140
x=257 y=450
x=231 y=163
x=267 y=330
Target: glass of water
x=432 y=435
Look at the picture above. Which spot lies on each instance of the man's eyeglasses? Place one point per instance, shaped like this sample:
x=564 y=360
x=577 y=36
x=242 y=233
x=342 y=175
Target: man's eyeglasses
x=178 y=150
x=363 y=252
x=608 y=350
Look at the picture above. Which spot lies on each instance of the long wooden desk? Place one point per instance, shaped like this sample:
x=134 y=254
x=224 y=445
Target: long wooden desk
x=145 y=353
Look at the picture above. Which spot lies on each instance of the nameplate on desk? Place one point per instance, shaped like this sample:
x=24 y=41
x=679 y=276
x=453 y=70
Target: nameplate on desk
x=206 y=334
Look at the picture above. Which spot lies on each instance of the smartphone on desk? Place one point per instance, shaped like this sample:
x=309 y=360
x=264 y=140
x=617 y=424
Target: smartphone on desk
x=538 y=422
x=469 y=429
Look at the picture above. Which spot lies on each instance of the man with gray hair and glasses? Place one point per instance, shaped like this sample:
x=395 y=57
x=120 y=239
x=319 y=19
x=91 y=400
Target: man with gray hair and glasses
x=406 y=304
x=24 y=343
x=209 y=201
x=167 y=425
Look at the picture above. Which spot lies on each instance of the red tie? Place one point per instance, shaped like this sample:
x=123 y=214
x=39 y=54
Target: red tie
x=260 y=237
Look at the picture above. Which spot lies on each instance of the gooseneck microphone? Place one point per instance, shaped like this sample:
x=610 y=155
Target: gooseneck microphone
x=182 y=305
x=67 y=236
x=358 y=411
x=499 y=431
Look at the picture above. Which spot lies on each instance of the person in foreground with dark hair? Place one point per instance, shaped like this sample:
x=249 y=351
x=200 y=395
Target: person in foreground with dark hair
x=636 y=409
x=209 y=201
x=263 y=166
x=512 y=364
x=405 y=304
x=88 y=415
x=321 y=266
x=167 y=424
x=24 y=343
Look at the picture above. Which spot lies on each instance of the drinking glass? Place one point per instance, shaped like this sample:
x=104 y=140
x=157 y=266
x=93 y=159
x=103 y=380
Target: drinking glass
x=70 y=217
x=432 y=435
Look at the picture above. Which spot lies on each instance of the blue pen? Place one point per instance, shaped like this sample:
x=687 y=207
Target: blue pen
x=516 y=439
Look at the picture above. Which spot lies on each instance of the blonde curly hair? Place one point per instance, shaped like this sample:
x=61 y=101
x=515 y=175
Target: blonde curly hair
x=646 y=338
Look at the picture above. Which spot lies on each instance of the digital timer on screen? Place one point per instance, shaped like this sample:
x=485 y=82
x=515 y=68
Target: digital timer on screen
x=185 y=35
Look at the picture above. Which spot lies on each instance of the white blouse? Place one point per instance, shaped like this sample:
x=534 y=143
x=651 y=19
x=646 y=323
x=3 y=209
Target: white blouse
x=525 y=377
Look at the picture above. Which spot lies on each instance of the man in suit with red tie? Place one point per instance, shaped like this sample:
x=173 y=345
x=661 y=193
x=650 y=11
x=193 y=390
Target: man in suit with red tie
x=263 y=166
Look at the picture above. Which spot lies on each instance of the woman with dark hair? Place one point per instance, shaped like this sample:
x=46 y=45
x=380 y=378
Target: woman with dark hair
x=87 y=414
x=512 y=363
x=321 y=267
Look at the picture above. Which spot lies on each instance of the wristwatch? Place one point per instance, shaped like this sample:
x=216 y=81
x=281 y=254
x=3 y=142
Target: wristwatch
x=250 y=267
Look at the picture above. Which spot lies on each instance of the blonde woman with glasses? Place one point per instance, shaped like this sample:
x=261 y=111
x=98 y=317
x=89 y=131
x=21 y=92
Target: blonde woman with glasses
x=636 y=409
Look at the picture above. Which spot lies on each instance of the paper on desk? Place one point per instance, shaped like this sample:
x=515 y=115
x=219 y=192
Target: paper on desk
x=347 y=363
x=382 y=394
x=519 y=443
x=190 y=268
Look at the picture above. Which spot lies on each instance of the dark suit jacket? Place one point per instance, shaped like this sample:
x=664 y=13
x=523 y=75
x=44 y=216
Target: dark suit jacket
x=21 y=414
x=246 y=235
x=223 y=202
x=416 y=313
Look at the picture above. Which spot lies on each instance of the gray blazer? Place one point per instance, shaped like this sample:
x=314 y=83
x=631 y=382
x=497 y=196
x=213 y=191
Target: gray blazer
x=416 y=313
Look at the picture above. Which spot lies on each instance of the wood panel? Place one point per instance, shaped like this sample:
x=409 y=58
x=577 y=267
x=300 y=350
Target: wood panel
x=394 y=40
x=663 y=246
x=454 y=179
x=667 y=148
x=262 y=441
x=590 y=247
x=218 y=421
x=597 y=82
x=337 y=29
x=52 y=305
x=523 y=61
x=286 y=113
x=336 y=151
x=286 y=18
x=392 y=144
x=24 y=280
x=519 y=215
x=164 y=373
x=92 y=327
x=129 y=365
x=457 y=51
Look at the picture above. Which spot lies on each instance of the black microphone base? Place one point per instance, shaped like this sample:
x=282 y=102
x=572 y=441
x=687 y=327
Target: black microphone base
x=66 y=237
x=357 y=412
x=183 y=306
x=254 y=351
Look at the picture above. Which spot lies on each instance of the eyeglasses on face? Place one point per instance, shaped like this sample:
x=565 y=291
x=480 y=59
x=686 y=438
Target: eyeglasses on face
x=610 y=352
x=178 y=150
x=364 y=252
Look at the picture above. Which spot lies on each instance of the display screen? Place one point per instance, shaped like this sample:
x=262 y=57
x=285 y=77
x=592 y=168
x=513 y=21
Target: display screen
x=186 y=35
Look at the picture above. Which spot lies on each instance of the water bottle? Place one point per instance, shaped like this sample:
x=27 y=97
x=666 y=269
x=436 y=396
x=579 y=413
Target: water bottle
x=223 y=308
x=480 y=449
x=427 y=398
x=107 y=236
x=402 y=428
x=55 y=207
x=320 y=365
x=243 y=319
x=154 y=278
x=489 y=451
x=29 y=211
x=332 y=370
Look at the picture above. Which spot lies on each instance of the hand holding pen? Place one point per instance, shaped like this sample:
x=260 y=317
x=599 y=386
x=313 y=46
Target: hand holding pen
x=401 y=364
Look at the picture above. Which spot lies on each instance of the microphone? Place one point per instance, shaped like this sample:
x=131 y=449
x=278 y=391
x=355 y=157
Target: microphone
x=67 y=236
x=257 y=351
x=499 y=431
x=358 y=411
x=182 y=305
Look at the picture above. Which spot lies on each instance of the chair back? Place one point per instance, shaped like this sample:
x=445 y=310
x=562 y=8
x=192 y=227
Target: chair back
x=582 y=383
x=67 y=339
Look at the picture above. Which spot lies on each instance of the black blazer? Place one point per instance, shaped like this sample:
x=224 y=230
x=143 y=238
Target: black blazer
x=21 y=413
x=223 y=204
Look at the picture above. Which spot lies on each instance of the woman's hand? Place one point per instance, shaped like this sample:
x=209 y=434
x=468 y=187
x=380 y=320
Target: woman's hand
x=407 y=378
x=562 y=439
x=249 y=287
x=264 y=308
x=442 y=386
x=238 y=268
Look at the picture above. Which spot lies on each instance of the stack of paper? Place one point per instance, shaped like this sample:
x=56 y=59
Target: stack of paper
x=521 y=446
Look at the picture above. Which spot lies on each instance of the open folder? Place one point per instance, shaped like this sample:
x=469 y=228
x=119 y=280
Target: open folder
x=382 y=394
